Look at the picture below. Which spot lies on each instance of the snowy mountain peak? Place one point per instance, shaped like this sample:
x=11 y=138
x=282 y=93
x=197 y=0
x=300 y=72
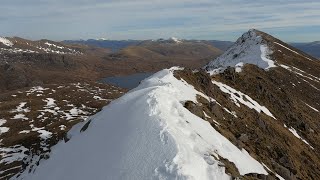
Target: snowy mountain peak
x=250 y=48
x=6 y=41
x=176 y=40
x=172 y=40
x=102 y=39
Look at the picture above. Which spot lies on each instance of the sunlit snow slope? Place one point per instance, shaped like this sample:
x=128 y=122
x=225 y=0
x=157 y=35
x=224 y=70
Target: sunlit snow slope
x=146 y=134
x=250 y=48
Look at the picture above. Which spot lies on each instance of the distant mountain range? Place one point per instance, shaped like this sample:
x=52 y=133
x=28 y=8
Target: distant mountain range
x=116 y=45
x=312 y=48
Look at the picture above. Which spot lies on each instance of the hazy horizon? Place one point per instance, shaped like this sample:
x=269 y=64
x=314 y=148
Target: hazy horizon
x=290 y=20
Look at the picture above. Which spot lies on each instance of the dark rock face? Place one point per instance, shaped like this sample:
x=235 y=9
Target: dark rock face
x=13 y=77
x=194 y=108
x=22 y=71
x=244 y=138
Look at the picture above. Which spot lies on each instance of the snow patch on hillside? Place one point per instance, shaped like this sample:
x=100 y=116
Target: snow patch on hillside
x=292 y=51
x=302 y=74
x=146 y=134
x=316 y=110
x=3 y=129
x=11 y=154
x=176 y=40
x=44 y=134
x=56 y=46
x=248 y=49
x=294 y=132
x=50 y=102
x=21 y=108
x=6 y=41
x=239 y=97
x=277 y=175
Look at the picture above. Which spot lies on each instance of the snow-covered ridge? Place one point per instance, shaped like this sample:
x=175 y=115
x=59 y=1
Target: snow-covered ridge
x=6 y=41
x=17 y=46
x=145 y=134
x=248 y=49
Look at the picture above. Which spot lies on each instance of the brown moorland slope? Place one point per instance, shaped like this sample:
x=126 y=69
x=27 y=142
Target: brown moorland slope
x=25 y=63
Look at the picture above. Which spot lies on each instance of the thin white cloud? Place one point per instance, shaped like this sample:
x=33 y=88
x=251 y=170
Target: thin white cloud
x=153 y=18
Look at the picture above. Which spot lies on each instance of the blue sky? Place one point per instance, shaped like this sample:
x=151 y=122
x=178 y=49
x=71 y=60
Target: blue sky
x=290 y=20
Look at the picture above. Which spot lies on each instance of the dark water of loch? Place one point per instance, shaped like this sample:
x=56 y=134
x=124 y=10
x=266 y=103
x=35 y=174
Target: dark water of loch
x=128 y=82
